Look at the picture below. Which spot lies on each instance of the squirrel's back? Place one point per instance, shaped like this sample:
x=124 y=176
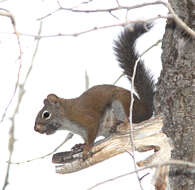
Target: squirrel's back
x=127 y=57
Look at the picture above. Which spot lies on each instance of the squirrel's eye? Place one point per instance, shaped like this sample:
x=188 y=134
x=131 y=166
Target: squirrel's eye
x=46 y=115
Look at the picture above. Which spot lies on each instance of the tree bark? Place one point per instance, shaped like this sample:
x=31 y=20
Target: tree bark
x=175 y=96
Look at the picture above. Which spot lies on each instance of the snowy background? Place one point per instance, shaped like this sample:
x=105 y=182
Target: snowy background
x=59 y=67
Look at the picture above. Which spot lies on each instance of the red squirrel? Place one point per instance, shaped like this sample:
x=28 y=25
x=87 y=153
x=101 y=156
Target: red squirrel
x=95 y=111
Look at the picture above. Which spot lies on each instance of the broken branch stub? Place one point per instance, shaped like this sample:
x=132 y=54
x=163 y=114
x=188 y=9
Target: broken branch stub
x=147 y=136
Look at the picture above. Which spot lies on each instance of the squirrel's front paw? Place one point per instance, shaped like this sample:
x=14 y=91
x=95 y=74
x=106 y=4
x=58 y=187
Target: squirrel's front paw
x=78 y=148
x=87 y=152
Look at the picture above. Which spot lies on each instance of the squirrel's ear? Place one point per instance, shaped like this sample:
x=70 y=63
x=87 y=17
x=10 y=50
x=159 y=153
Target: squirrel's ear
x=46 y=102
x=52 y=99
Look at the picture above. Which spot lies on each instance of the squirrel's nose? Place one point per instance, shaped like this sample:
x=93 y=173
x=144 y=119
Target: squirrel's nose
x=39 y=128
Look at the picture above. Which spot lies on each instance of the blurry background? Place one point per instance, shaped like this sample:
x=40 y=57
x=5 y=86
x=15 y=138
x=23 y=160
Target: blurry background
x=59 y=67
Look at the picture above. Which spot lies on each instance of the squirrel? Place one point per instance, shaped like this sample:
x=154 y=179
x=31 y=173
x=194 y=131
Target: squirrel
x=99 y=108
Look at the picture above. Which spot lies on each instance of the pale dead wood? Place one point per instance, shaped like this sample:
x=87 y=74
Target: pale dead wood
x=147 y=135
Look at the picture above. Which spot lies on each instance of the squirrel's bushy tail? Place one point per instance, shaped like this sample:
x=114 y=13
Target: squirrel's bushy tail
x=125 y=51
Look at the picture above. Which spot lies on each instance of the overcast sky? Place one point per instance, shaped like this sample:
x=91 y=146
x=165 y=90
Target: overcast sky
x=59 y=67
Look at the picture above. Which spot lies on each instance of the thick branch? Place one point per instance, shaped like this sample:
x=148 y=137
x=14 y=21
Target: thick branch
x=147 y=136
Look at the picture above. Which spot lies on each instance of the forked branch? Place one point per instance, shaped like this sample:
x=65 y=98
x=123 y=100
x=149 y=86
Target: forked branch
x=147 y=136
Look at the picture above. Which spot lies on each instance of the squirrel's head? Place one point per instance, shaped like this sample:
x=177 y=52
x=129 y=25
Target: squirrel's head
x=48 y=119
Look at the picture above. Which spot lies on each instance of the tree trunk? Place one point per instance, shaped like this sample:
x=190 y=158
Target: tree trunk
x=175 y=96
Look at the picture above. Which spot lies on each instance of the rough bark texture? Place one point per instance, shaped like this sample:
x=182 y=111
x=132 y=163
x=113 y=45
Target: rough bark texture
x=175 y=96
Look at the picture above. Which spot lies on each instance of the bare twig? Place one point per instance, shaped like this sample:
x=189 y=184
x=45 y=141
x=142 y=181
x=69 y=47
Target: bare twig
x=118 y=78
x=182 y=24
x=131 y=108
x=141 y=178
x=68 y=137
x=127 y=8
x=86 y=81
x=12 y=128
x=171 y=16
x=122 y=24
x=131 y=122
x=117 y=2
x=83 y=3
x=166 y=163
x=4 y=12
x=119 y=7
